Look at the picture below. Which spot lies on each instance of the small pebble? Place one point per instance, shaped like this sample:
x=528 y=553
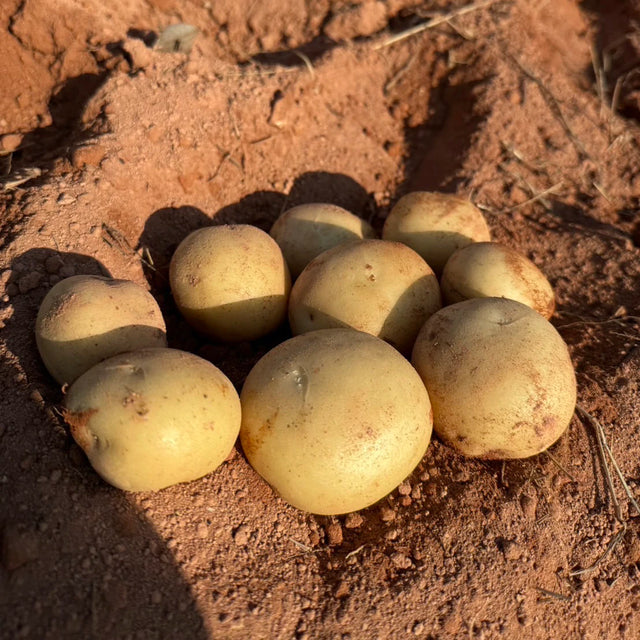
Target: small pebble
x=53 y=264
x=65 y=199
x=241 y=535
x=29 y=282
x=202 y=531
x=418 y=629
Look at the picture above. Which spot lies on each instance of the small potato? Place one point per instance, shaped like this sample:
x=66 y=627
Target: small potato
x=334 y=420
x=435 y=225
x=499 y=377
x=306 y=231
x=85 y=319
x=383 y=288
x=153 y=418
x=489 y=269
x=230 y=282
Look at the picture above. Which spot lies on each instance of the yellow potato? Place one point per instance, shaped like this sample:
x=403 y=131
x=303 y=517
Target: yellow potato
x=85 y=319
x=489 y=269
x=334 y=420
x=383 y=288
x=230 y=282
x=153 y=418
x=306 y=231
x=435 y=225
x=499 y=376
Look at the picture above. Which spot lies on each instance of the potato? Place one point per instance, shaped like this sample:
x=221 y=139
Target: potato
x=383 y=288
x=85 y=319
x=489 y=269
x=230 y=282
x=306 y=231
x=152 y=418
x=334 y=420
x=435 y=225
x=499 y=377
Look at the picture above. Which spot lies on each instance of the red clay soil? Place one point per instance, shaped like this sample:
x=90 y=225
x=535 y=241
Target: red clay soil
x=531 y=109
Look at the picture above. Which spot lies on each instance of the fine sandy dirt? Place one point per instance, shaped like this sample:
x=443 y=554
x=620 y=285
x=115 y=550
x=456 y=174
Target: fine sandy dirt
x=530 y=109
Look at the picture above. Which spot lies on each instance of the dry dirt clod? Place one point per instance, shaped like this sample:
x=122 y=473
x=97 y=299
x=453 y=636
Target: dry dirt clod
x=353 y=521
x=334 y=533
x=401 y=561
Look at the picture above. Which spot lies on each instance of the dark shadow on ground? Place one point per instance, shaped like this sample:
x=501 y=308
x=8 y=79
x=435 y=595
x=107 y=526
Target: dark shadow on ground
x=69 y=541
x=44 y=146
x=617 y=50
x=167 y=227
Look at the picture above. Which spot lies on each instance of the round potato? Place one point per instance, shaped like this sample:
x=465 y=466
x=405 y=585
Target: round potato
x=152 y=418
x=230 y=282
x=499 y=377
x=85 y=319
x=435 y=225
x=492 y=270
x=306 y=231
x=334 y=420
x=383 y=288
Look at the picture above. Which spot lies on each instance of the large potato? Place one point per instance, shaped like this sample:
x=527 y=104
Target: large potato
x=230 y=282
x=435 y=225
x=306 y=231
x=499 y=377
x=152 y=418
x=383 y=288
x=492 y=270
x=85 y=319
x=334 y=420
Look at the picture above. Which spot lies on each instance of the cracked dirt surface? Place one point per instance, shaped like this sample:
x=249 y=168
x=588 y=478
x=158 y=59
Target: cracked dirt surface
x=530 y=109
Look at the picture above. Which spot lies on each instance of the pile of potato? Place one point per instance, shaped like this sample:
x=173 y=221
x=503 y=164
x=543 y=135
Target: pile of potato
x=337 y=416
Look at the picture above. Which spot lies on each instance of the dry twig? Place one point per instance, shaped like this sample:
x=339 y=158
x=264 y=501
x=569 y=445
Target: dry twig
x=434 y=22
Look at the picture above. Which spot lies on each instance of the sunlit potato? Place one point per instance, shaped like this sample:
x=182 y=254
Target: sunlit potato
x=334 y=420
x=435 y=225
x=499 y=376
x=85 y=319
x=489 y=269
x=383 y=288
x=153 y=418
x=306 y=231
x=230 y=282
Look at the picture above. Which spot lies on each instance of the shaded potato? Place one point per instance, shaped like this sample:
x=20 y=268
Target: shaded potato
x=489 y=269
x=382 y=288
x=230 y=282
x=152 y=418
x=334 y=420
x=499 y=376
x=435 y=225
x=306 y=231
x=85 y=319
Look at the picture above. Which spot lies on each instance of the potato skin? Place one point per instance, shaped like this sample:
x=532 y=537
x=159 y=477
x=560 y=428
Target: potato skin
x=492 y=270
x=383 y=288
x=435 y=225
x=85 y=319
x=306 y=231
x=334 y=420
x=230 y=282
x=152 y=418
x=499 y=376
